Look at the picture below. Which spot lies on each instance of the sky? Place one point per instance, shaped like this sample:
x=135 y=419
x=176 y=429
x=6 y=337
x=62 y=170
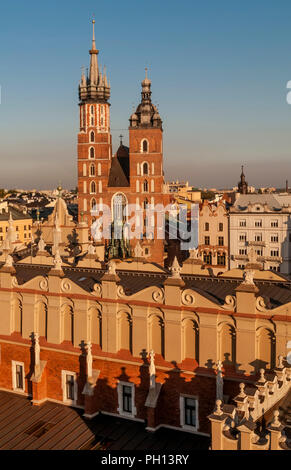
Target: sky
x=219 y=72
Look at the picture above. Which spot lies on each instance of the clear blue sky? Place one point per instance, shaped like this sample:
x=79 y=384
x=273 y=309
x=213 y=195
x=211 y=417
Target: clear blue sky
x=219 y=71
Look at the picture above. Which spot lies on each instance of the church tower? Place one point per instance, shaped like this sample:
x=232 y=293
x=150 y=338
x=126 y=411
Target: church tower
x=242 y=185
x=146 y=166
x=94 y=138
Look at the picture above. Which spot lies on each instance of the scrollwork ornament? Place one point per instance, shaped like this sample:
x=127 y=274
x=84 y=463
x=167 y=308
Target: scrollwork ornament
x=229 y=302
x=261 y=304
x=120 y=291
x=187 y=297
x=158 y=295
x=43 y=284
x=65 y=286
x=97 y=289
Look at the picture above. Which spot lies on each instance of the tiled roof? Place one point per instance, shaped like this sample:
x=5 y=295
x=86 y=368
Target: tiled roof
x=276 y=293
x=16 y=214
x=53 y=426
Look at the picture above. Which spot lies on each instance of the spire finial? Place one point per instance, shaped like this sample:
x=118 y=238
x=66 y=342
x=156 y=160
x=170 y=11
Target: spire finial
x=146 y=72
x=121 y=136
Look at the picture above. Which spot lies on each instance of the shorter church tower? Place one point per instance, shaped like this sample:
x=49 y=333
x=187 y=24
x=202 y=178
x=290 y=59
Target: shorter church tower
x=146 y=166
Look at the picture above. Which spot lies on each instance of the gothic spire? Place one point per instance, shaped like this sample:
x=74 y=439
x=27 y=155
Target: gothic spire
x=93 y=72
x=94 y=88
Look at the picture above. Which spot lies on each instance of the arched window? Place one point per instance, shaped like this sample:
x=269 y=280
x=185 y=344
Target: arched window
x=92 y=109
x=145 y=169
x=220 y=227
x=266 y=349
x=92 y=170
x=42 y=319
x=145 y=186
x=96 y=326
x=145 y=203
x=157 y=335
x=207 y=258
x=144 y=146
x=92 y=152
x=92 y=136
x=221 y=259
x=119 y=208
x=93 y=204
x=125 y=332
x=191 y=339
x=206 y=226
x=93 y=187
x=68 y=319
x=227 y=345
x=18 y=316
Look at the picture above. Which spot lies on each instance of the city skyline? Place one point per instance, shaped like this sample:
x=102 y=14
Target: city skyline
x=223 y=103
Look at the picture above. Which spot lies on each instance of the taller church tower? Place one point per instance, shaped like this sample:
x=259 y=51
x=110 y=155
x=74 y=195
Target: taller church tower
x=94 y=138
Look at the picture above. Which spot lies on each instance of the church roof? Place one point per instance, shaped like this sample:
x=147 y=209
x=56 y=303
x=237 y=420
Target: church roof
x=119 y=171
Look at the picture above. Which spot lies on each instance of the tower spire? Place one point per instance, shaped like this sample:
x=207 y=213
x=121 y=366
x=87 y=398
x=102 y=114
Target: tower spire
x=242 y=185
x=93 y=73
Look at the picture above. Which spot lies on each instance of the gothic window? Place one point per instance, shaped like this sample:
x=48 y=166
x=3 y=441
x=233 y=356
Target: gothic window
x=92 y=170
x=119 y=208
x=92 y=152
x=220 y=227
x=92 y=136
x=206 y=226
x=145 y=203
x=144 y=146
x=145 y=169
x=145 y=186
x=92 y=109
x=93 y=187
x=93 y=204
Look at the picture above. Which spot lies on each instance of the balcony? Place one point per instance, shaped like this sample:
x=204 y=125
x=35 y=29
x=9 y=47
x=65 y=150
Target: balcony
x=256 y=243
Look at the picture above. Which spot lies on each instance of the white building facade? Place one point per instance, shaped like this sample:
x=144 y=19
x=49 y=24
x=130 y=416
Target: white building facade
x=261 y=222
